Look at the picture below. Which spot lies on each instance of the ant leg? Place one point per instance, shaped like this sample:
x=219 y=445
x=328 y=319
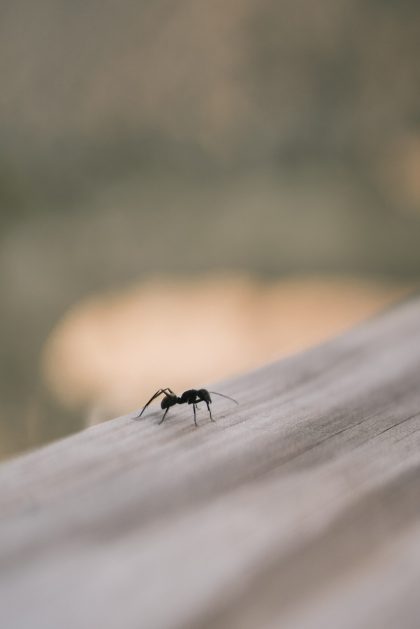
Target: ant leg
x=195 y=418
x=164 y=415
x=167 y=391
x=158 y=392
x=211 y=416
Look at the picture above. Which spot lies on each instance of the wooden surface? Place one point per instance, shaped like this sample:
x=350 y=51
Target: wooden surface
x=299 y=508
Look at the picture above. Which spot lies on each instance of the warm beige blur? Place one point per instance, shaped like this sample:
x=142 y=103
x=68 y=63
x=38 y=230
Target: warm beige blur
x=111 y=352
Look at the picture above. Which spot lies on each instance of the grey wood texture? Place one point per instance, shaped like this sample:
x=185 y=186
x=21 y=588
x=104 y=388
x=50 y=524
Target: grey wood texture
x=299 y=508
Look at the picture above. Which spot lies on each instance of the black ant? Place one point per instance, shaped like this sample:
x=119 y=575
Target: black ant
x=192 y=396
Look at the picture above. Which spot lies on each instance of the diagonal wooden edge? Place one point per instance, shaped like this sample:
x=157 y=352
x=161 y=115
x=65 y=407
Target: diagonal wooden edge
x=299 y=504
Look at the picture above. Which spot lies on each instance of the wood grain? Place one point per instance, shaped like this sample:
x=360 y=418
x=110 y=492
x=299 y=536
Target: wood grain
x=299 y=508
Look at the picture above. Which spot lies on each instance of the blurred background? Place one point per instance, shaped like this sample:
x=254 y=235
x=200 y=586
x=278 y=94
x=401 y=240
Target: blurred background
x=191 y=189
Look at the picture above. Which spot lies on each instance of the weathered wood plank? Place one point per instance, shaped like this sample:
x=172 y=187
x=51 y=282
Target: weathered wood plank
x=299 y=508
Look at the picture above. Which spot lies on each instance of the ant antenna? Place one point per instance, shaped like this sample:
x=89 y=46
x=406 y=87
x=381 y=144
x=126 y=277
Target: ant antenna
x=222 y=395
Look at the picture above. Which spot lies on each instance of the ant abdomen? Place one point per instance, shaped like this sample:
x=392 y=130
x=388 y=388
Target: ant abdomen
x=167 y=401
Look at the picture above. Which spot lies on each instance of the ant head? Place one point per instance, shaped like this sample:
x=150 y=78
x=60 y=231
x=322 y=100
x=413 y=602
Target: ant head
x=204 y=395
